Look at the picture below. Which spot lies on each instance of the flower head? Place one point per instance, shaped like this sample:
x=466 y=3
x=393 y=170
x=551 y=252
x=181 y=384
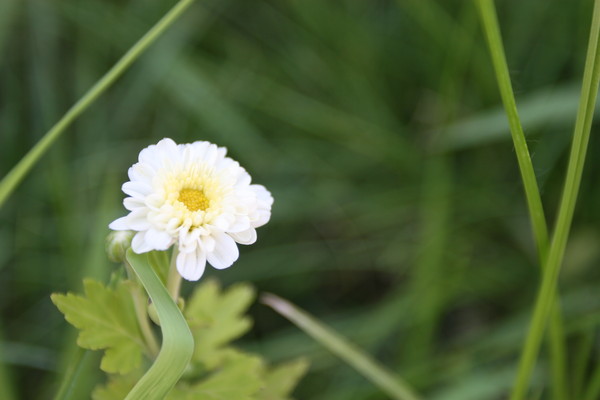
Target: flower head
x=195 y=197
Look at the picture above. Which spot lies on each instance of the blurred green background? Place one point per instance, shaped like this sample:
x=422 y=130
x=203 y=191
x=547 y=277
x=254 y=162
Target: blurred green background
x=399 y=215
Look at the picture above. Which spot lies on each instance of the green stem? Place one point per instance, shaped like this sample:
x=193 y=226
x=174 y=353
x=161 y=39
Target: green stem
x=140 y=303
x=178 y=343
x=363 y=363
x=16 y=175
x=174 y=277
x=489 y=21
x=581 y=136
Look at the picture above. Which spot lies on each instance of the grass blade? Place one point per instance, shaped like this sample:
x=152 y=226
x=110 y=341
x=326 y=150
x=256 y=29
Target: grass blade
x=490 y=24
x=16 y=175
x=534 y=202
x=547 y=292
x=66 y=387
x=363 y=363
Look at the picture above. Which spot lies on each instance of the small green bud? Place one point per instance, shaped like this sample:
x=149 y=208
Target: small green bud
x=117 y=243
x=181 y=303
x=153 y=314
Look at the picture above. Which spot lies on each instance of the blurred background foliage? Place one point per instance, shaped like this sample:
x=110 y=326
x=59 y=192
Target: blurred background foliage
x=399 y=217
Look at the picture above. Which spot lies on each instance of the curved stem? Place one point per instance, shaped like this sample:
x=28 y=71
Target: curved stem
x=178 y=343
x=16 y=175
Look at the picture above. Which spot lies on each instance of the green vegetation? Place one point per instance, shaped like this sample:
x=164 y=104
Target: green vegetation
x=400 y=217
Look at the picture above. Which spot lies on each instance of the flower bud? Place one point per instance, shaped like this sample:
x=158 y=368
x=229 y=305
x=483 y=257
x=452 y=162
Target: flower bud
x=117 y=243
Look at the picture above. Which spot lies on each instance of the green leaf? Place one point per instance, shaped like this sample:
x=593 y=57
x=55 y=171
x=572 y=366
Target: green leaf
x=117 y=387
x=106 y=320
x=216 y=317
x=281 y=380
x=238 y=378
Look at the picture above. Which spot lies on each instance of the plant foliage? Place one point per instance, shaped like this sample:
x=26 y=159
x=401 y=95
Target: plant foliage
x=106 y=320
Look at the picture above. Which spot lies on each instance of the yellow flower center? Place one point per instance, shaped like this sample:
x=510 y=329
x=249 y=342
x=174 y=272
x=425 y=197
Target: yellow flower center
x=193 y=199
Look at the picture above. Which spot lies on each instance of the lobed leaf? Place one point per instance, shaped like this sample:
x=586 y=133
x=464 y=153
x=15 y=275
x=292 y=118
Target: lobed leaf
x=239 y=377
x=216 y=318
x=281 y=380
x=106 y=320
x=117 y=387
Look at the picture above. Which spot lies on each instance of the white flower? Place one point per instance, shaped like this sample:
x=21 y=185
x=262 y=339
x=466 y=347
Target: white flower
x=193 y=196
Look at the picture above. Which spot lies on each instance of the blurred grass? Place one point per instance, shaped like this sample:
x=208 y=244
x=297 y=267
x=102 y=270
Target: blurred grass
x=342 y=110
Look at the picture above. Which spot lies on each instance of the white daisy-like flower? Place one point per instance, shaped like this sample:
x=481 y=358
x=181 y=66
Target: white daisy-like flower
x=192 y=196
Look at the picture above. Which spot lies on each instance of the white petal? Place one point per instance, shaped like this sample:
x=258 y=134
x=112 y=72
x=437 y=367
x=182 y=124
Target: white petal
x=119 y=224
x=166 y=144
x=264 y=203
x=198 y=150
x=263 y=195
x=241 y=223
x=158 y=240
x=222 y=152
x=154 y=200
x=172 y=224
x=138 y=220
x=139 y=244
x=261 y=218
x=168 y=150
x=136 y=189
x=225 y=252
x=208 y=243
x=149 y=157
x=223 y=222
x=212 y=154
x=191 y=265
x=188 y=240
x=131 y=203
x=243 y=178
x=244 y=237
x=141 y=172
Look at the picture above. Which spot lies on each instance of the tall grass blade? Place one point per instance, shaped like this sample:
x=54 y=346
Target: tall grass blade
x=534 y=202
x=547 y=292
x=65 y=390
x=363 y=363
x=16 y=175
x=490 y=24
